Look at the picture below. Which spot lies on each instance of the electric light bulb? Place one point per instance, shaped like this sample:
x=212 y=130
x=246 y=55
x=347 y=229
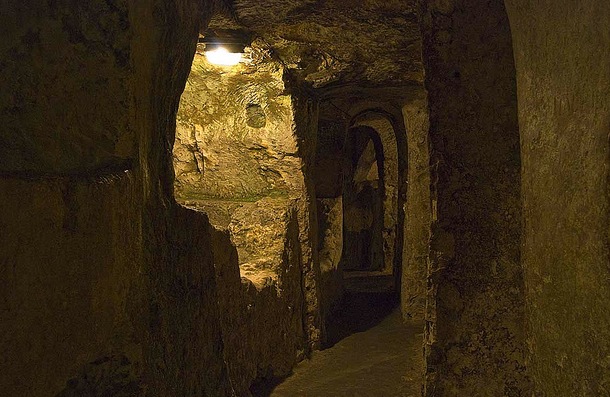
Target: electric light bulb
x=221 y=56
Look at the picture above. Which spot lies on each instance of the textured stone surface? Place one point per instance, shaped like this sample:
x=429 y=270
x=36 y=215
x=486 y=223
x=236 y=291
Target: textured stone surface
x=261 y=313
x=330 y=249
x=336 y=42
x=67 y=269
x=256 y=229
x=477 y=341
x=217 y=154
x=107 y=286
x=263 y=171
x=416 y=251
x=182 y=333
x=563 y=82
x=392 y=365
x=328 y=166
x=101 y=265
x=305 y=127
x=50 y=121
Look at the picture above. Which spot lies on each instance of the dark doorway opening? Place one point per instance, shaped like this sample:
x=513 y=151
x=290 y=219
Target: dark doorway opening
x=363 y=192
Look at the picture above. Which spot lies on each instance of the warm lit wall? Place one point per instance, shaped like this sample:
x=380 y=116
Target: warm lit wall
x=234 y=136
x=562 y=52
x=240 y=157
x=262 y=323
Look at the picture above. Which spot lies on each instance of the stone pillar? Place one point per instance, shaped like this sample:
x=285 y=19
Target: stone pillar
x=418 y=216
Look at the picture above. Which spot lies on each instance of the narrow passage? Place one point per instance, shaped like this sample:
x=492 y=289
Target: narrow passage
x=375 y=355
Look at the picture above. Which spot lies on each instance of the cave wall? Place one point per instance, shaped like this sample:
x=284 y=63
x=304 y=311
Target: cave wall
x=562 y=52
x=305 y=126
x=111 y=285
x=69 y=261
x=262 y=323
x=234 y=135
x=475 y=323
x=51 y=122
x=328 y=182
x=240 y=156
x=418 y=213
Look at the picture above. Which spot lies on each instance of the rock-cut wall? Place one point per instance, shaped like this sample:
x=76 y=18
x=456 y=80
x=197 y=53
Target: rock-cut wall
x=475 y=320
x=107 y=285
x=562 y=53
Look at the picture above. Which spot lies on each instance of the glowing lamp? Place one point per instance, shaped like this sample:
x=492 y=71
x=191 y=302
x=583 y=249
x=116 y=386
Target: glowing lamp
x=223 y=48
x=221 y=56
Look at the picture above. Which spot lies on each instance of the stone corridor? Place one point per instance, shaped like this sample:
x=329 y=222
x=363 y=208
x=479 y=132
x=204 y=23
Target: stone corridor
x=236 y=198
x=378 y=356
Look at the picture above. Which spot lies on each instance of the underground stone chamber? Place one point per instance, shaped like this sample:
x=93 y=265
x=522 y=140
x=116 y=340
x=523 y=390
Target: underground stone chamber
x=171 y=228
x=241 y=158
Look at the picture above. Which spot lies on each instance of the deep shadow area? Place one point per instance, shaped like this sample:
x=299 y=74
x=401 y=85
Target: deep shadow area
x=359 y=311
x=264 y=386
x=385 y=359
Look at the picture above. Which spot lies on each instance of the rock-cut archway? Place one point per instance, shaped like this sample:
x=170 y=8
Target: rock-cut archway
x=371 y=174
x=363 y=201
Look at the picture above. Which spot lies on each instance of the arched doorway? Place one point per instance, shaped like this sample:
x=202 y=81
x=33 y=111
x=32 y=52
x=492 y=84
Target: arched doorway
x=371 y=172
x=363 y=193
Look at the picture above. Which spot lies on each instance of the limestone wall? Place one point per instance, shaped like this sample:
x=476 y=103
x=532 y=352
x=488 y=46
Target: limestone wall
x=67 y=271
x=107 y=284
x=562 y=54
x=418 y=214
x=476 y=330
x=55 y=55
x=243 y=146
x=234 y=134
x=262 y=320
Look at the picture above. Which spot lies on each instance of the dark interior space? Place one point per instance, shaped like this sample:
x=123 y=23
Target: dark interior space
x=363 y=194
x=359 y=311
x=304 y=198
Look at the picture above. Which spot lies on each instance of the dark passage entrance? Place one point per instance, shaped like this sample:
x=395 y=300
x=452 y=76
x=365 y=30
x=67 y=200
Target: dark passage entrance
x=363 y=193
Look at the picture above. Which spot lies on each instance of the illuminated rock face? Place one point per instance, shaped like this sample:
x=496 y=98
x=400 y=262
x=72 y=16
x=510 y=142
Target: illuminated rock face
x=234 y=135
x=261 y=298
x=237 y=160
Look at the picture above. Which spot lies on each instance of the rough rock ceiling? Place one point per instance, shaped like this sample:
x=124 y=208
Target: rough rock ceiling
x=336 y=42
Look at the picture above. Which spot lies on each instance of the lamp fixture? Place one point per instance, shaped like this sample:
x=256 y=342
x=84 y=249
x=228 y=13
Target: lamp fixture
x=222 y=57
x=223 y=50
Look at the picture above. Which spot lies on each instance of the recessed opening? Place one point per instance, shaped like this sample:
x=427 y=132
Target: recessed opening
x=363 y=202
x=234 y=131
